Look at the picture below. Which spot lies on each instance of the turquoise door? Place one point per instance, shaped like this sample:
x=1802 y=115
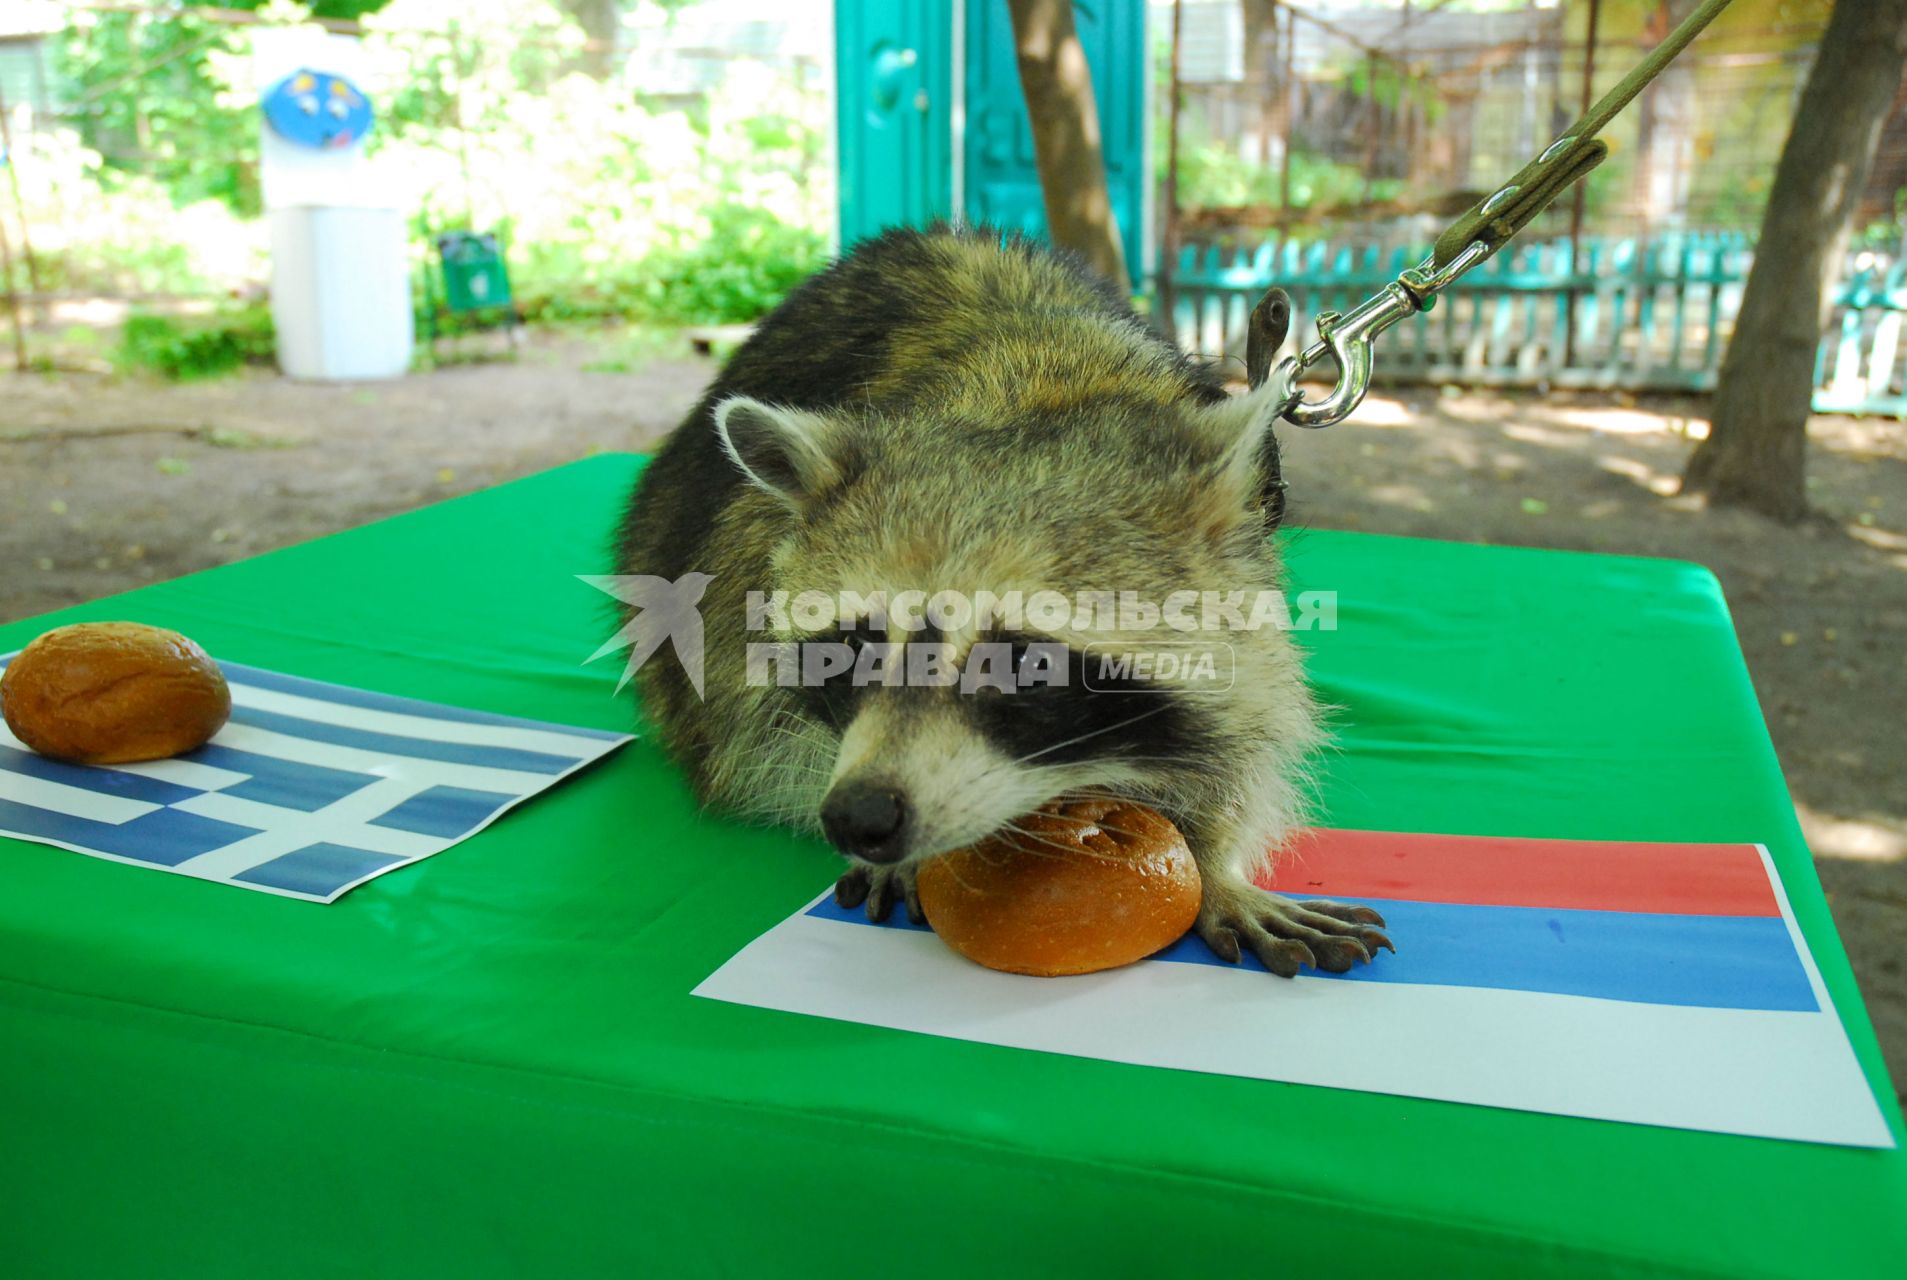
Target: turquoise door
x=894 y=72
x=1002 y=184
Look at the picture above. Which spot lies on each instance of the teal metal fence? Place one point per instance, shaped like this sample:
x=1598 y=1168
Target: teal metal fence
x=1628 y=314
x=1857 y=369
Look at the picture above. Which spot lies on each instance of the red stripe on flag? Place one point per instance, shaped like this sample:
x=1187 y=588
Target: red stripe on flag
x=1588 y=875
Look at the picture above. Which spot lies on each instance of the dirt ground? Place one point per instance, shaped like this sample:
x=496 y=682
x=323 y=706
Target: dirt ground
x=106 y=484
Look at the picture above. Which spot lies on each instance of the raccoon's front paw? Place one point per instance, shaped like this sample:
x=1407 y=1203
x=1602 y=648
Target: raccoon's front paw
x=1287 y=935
x=880 y=888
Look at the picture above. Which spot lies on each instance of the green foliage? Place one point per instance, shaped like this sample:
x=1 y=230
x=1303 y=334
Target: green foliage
x=463 y=67
x=150 y=105
x=743 y=268
x=96 y=230
x=1885 y=236
x=746 y=264
x=193 y=350
x=1214 y=175
x=1389 y=86
x=611 y=205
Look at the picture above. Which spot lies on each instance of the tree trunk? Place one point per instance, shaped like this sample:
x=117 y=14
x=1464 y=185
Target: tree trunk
x=1167 y=318
x=1756 y=448
x=1059 y=101
x=600 y=21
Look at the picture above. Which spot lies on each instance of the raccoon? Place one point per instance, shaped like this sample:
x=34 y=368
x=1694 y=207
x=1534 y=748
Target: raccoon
x=954 y=410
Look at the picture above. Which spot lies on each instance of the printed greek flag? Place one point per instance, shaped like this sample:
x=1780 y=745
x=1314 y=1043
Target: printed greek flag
x=310 y=790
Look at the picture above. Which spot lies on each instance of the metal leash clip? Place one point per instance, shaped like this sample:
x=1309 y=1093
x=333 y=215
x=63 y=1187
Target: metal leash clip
x=1347 y=338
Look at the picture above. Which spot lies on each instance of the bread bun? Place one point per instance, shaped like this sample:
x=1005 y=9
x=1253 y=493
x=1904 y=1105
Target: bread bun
x=113 y=693
x=1083 y=885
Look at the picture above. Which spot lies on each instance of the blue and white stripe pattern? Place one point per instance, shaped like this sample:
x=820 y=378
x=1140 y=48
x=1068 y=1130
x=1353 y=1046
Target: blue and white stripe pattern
x=308 y=791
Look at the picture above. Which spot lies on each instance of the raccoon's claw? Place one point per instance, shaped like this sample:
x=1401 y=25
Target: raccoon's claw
x=1282 y=956
x=879 y=888
x=1287 y=935
x=1350 y=912
x=851 y=890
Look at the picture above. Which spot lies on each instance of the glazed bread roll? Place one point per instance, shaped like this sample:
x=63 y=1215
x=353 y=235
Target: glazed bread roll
x=1084 y=885
x=113 y=693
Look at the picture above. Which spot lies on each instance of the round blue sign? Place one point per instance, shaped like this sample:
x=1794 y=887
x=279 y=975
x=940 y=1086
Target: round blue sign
x=318 y=109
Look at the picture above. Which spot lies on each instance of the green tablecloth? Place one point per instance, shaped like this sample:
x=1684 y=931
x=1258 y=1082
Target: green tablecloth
x=489 y=1064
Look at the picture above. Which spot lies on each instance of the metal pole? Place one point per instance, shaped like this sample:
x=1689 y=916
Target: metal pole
x=1526 y=118
x=1370 y=124
x=1291 y=115
x=1407 y=112
x=1169 y=258
x=1578 y=202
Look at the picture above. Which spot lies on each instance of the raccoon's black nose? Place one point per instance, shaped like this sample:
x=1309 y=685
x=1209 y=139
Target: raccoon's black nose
x=866 y=820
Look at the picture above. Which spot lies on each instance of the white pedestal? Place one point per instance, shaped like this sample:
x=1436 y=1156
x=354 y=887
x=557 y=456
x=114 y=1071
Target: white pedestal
x=341 y=292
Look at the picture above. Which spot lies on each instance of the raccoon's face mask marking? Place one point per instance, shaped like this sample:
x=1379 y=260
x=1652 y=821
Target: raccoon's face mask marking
x=914 y=779
x=923 y=770
x=1089 y=720
x=795 y=455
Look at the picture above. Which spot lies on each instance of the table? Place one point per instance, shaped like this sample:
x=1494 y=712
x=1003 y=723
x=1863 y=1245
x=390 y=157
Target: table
x=489 y=1064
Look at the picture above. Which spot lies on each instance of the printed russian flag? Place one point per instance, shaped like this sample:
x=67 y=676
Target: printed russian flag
x=1654 y=983
x=308 y=791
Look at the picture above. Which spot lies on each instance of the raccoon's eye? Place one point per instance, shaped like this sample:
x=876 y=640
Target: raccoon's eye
x=858 y=635
x=849 y=646
x=857 y=641
x=827 y=676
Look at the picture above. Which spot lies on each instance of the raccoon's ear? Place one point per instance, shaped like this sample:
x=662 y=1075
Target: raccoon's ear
x=793 y=454
x=1245 y=480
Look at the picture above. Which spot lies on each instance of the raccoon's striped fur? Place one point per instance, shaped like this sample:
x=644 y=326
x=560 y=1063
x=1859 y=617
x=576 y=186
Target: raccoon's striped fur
x=954 y=411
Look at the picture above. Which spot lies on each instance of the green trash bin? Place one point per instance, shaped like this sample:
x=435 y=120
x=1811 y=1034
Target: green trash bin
x=475 y=277
x=474 y=280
